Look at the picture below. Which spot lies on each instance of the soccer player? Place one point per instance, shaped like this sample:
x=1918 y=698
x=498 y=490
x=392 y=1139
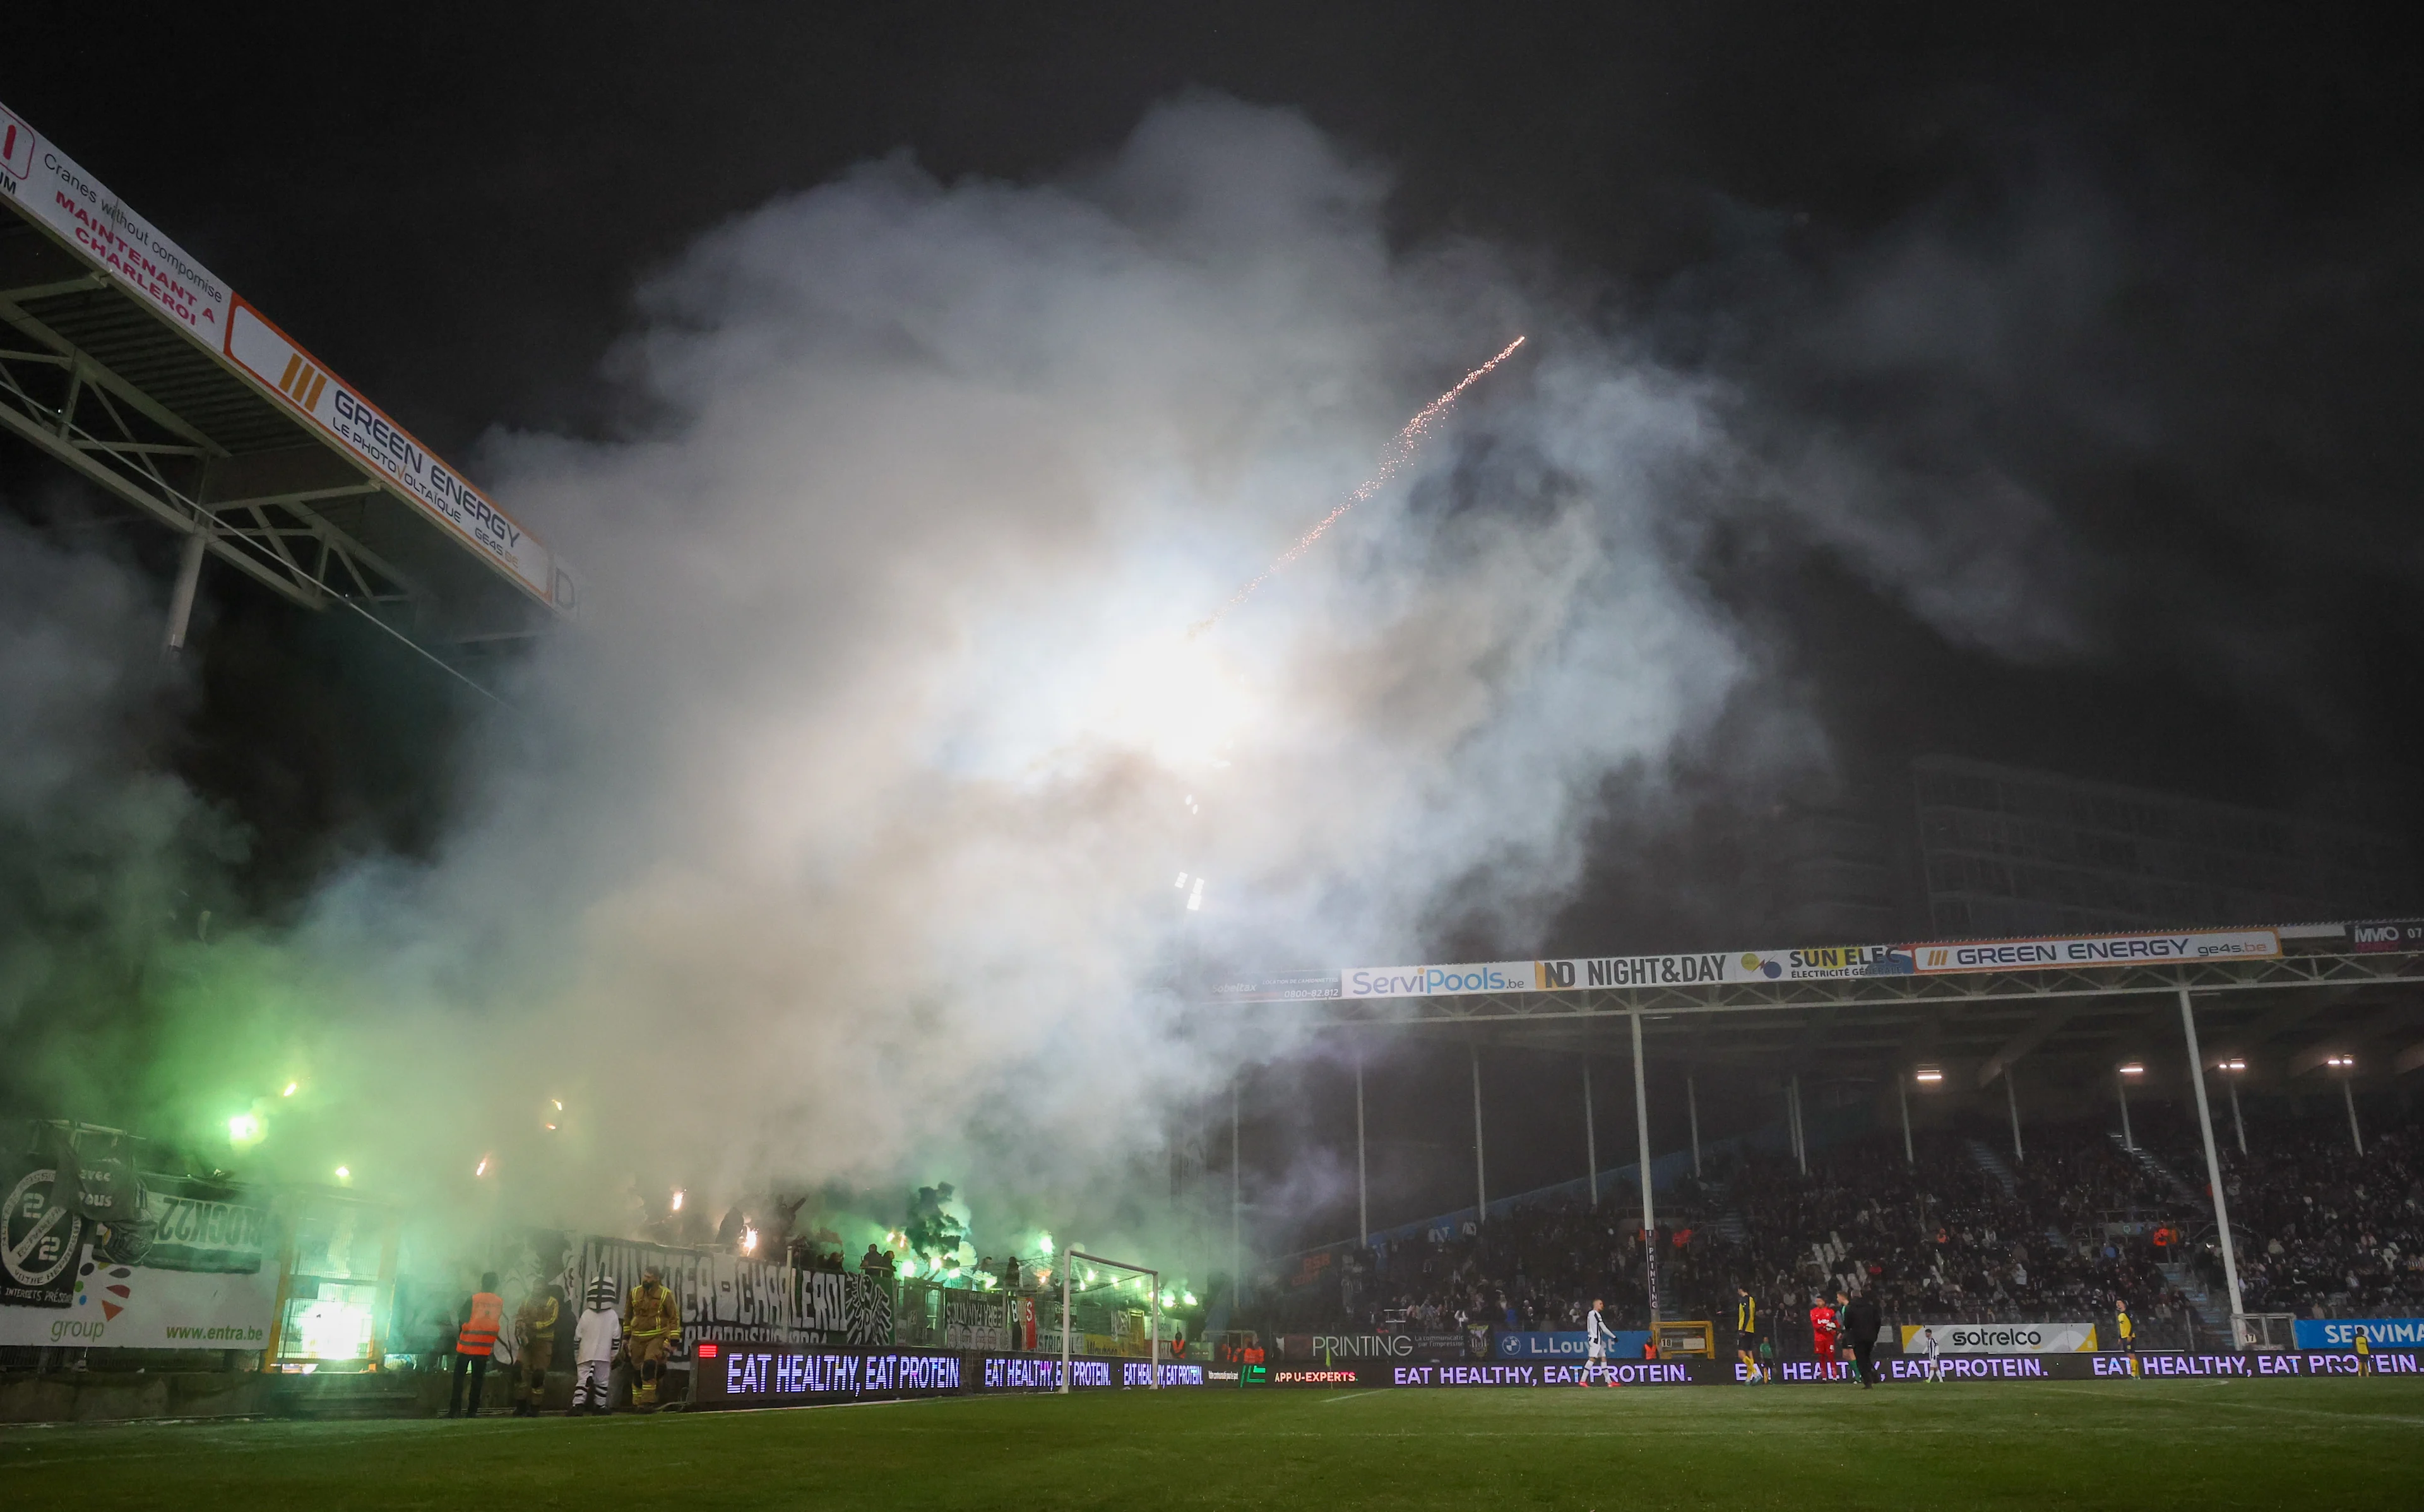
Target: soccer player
x=1935 y=1354
x=1746 y=1335
x=2126 y=1329
x=1596 y=1334
x=1822 y=1334
x=2364 y=1347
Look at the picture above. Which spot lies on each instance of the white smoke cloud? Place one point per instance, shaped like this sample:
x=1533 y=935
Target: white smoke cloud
x=837 y=842
x=840 y=838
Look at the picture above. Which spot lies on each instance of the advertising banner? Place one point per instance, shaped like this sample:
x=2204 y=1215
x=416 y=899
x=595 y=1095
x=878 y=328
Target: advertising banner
x=1329 y=1348
x=1624 y=1344
x=728 y=1375
x=2000 y=1338
x=50 y=186
x=1996 y=1368
x=2384 y=935
x=745 y=1375
x=1442 y=981
x=1823 y=963
x=136 y=1307
x=361 y=428
x=1278 y=987
x=2380 y=1333
x=1818 y=963
x=1542 y=1373
x=2096 y=950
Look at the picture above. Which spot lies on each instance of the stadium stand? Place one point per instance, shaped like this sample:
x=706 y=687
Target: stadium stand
x=1962 y=1234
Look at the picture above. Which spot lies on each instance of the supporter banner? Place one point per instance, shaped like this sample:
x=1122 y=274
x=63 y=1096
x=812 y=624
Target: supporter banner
x=976 y=1320
x=2095 y=950
x=2000 y=1338
x=42 y=1236
x=136 y=1307
x=50 y=187
x=2380 y=1333
x=180 y=1232
x=741 y=1301
x=1624 y=1344
x=361 y=428
x=2387 y=934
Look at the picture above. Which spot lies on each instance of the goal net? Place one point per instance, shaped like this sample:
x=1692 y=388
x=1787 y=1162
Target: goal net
x=1107 y=1306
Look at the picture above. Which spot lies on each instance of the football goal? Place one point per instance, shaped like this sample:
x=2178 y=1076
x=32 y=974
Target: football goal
x=1115 y=1301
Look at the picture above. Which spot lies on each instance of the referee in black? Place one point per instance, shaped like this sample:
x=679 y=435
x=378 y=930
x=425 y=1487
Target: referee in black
x=1861 y=1324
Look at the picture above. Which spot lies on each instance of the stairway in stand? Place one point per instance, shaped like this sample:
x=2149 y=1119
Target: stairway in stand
x=2152 y=1166
x=1992 y=1163
x=2192 y=1292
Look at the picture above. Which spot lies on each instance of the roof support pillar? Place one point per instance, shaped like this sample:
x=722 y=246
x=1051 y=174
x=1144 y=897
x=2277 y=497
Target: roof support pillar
x=2212 y=1174
x=1649 y=1203
x=1591 y=1133
x=1692 y=1101
x=180 y=596
x=1480 y=1167
x=1363 y=1199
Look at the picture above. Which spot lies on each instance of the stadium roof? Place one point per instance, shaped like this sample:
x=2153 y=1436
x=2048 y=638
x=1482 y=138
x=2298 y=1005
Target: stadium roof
x=2292 y=1000
x=126 y=359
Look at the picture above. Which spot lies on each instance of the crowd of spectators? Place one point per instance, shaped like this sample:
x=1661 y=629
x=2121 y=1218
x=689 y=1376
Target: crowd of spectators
x=2330 y=1232
x=1964 y=1233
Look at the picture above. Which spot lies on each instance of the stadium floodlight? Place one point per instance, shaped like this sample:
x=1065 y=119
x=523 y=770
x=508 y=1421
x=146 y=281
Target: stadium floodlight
x=2340 y=1063
x=2233 y=1065
x=2133 y=1069
x=1127 y=1274
x=1930 y=1074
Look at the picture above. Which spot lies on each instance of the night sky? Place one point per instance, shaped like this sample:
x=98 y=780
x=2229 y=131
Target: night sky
x=2160 y=267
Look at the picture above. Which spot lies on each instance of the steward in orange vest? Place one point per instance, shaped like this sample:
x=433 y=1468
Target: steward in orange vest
x=476 y=1341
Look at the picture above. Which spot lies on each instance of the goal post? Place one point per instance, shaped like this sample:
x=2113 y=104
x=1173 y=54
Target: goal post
x=1104 y=1280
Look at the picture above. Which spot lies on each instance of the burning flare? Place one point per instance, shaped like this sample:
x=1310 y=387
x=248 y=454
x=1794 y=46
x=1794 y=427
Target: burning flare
x=1392 y=462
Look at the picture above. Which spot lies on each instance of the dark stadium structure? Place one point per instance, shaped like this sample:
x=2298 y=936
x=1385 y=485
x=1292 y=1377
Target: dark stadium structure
x=146 y=376
x=1986 y=1146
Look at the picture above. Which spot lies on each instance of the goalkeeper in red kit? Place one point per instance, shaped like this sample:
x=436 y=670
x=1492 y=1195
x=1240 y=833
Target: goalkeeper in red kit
x=1825 y=1330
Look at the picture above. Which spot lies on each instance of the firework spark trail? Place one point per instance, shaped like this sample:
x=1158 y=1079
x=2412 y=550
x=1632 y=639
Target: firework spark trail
x=1392 y=462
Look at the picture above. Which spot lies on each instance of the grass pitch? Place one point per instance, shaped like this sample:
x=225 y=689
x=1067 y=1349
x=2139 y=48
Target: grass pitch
x=2321 y=1443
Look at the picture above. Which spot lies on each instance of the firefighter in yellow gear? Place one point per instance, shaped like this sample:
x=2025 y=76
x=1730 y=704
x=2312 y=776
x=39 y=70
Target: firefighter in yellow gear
x=652 y=1329
x=534 y=1332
